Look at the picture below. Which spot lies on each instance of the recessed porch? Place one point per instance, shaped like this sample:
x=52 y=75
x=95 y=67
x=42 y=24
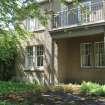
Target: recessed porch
x=69 y=60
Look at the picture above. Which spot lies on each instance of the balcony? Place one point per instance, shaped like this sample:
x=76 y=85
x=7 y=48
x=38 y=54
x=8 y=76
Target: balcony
x=83 y=14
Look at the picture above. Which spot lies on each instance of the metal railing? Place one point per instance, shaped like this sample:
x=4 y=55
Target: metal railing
x=83 y=14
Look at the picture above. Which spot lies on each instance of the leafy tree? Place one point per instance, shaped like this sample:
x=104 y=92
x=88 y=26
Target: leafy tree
x=12 y=12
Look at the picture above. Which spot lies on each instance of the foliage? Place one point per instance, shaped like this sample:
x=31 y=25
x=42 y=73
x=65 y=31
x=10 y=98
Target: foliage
x=12 y=87
x=13 y=12
x=92 y=88
x=12 y=93
x=8 y=53
x=86 y=88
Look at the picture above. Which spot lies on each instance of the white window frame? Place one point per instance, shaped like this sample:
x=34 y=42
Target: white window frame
x=34 y=25
x=28 y=56
x=39 y=49
x=85 y=57
x=34 y=58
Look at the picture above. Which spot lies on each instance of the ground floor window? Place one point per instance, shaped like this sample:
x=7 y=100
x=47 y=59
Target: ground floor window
x=39 y=55
x=99 y=54
x=92 y=54
x=34 y=56
x=29 y=56
x=86 y=54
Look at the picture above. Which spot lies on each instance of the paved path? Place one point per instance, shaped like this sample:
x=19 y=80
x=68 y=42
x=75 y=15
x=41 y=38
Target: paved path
x=69 y=99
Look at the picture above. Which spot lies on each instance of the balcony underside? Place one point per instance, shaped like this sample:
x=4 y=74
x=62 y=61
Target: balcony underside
x=82 y=30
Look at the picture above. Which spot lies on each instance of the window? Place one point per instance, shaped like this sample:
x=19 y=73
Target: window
x=39 y=55
x=92 y=54
x=86 y=54
x=30 y=24
x=29 y=56
x=34 y=25
x=99 y=54
x=34 y=56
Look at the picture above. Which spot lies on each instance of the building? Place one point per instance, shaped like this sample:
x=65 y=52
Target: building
x=71 y=48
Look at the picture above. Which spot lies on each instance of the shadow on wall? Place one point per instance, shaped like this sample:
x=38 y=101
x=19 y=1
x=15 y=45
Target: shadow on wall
x=47 y=75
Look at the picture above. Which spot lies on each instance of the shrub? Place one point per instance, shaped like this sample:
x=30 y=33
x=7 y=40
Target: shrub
x=92 y=88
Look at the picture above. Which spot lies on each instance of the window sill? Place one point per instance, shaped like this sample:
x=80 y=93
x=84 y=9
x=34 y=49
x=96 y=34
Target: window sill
x=87 y=67
x=37 y=30
x=37 y=69
x=100 y=67
x=93 y=67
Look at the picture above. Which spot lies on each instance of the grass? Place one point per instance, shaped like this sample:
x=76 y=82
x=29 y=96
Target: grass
x=11 y=87
x=12 y=93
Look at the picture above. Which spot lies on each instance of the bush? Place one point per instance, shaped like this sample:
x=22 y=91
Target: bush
x=92 y=89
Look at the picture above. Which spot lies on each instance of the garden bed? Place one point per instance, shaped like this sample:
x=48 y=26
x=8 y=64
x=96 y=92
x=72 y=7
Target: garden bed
x=87 y=93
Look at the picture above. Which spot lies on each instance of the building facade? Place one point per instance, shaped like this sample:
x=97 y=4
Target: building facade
x=71 y=48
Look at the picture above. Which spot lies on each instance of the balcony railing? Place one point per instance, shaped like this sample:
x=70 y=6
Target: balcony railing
x=84 y=14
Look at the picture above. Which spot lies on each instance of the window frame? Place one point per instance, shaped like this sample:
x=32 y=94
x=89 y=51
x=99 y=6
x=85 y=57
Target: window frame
x=34 y=58
x=99 y=53
x=27 y=57
x=94 y=55
x=84 y=55
x=34 y=24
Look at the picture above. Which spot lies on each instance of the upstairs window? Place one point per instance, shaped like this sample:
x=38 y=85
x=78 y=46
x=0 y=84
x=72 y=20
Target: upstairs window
x=33 y=25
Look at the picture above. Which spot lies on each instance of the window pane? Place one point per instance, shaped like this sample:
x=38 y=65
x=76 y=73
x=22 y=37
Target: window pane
x=29 y=56
x=86 y=54
x=39 y=55
x=99 y=54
